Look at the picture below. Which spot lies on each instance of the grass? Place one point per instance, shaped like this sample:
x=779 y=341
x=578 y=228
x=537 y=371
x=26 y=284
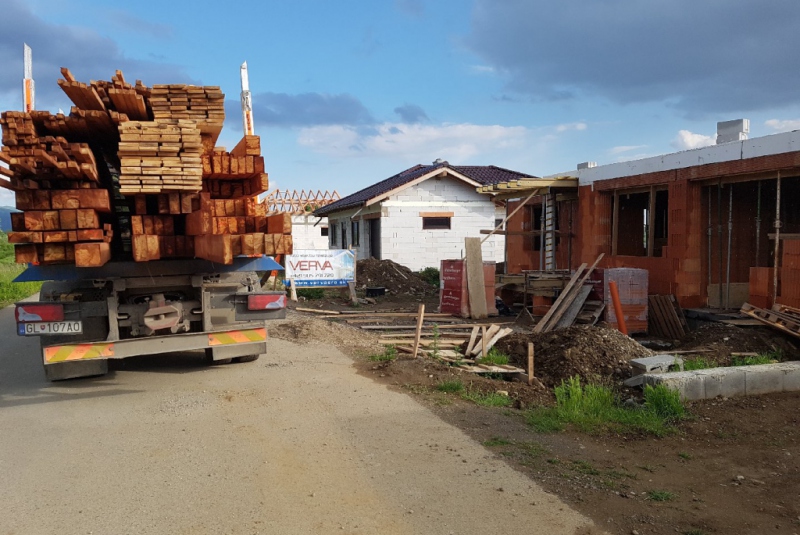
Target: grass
x=496 y=441
x=430 y=275
x=753 y=360
x=594 y=408
x=451 y=387
x=311 y=293
x=388 y=355
x=694 y=532
x=697 y=363
x=661 y=495
x=486 y=399
x=685 y=456
x=495 y=357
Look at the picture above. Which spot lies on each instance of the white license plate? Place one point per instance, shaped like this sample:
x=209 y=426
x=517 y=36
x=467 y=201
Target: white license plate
x=50 y=327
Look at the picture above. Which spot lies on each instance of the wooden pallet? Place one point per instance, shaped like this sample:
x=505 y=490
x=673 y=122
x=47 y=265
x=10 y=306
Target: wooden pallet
x=665 y=318
x=788 y=323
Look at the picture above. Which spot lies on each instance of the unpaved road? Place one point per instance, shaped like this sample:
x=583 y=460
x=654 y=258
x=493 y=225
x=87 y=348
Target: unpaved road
x=295 y=442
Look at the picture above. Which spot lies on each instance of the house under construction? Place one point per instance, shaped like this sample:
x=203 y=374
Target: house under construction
x=710 y=225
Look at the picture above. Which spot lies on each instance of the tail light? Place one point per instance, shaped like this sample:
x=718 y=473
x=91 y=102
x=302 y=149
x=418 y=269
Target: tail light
x=266 y=301
x=39 y=312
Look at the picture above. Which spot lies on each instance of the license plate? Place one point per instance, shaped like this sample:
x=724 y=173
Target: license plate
x=50 y=327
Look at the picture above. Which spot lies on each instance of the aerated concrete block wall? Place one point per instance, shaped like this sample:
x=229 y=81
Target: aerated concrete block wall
x=730 y=382
x=307 y=235
x=404 y=241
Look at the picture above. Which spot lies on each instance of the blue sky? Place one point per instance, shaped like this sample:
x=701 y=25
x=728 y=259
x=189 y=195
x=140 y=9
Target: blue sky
x=347 y=93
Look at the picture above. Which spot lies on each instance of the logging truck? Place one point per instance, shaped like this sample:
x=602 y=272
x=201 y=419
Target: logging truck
x=85 y=317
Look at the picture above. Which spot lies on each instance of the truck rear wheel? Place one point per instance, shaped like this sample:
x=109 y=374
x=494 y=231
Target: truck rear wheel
x=73 y=370
x=246 y=358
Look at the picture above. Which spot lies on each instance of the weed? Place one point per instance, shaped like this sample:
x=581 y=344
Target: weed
x=697 y=363
x=430 y=275
x=533 y=449
x=451 y=386
x=496 y=441
x=648 y=468
x=388 y=355
x=435 y=344
x=585 y=468
x=495 y=357
x=685 y=456
x=694 y=532
x=554 y=461
x=311 y=293
x=488 y=399
x=593 y=408
x=12 y=291
x=753 y=360
x=661 y=495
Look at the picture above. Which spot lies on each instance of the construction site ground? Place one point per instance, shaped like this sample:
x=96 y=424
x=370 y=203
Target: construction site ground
x=730 y=467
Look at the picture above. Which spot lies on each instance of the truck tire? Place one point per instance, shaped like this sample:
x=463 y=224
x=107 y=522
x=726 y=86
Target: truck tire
x=73 y=370
x=246 y=358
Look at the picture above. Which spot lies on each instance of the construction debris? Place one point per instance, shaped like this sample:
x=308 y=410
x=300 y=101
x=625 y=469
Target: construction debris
x=563 y=304
x=783 y=318
x=397 y=279
x=665 y=317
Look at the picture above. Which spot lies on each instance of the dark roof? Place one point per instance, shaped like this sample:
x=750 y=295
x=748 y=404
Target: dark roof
x=486 y=175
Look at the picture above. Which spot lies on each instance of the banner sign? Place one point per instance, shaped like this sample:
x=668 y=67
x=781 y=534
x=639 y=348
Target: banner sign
x=320 y=268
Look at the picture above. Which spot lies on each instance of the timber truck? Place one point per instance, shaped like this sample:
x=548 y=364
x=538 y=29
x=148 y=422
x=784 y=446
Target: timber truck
x=148 y=238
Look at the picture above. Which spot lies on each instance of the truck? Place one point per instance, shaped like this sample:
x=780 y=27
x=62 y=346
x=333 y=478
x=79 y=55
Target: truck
x=85 y=317
x=147 y=237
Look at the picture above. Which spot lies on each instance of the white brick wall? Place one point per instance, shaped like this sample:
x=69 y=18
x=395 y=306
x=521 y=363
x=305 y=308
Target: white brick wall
x=404 y=241
x=307 y=236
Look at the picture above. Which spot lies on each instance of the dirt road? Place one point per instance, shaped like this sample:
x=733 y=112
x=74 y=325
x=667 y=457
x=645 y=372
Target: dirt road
x=295 y=442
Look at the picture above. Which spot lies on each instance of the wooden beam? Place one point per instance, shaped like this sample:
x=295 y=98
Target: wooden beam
x=476 y=285
x=420 y=318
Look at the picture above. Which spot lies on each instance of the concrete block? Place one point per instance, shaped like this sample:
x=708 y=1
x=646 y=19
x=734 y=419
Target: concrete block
x=656 y=364
x=688 y=384
x=791 y=377
x=725 y=382
x=763 y=379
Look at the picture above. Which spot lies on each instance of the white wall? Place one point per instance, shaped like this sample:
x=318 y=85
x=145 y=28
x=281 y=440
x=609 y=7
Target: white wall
x=404 y=241
x=305 y=235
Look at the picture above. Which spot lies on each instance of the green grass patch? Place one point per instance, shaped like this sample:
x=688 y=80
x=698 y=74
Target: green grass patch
x=697 y=363
x=595 y=408
x=495 y=357
x=685 y=456
x=661 y=495
x=754 y=360
x=585 y=468
x=496 y=441
x=451 y=387
x=389 y=354
x=10 y=292
x=311 y=293
x=487 y=399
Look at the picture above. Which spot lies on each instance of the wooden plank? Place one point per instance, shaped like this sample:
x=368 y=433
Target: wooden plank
x=420 y=318
x=473 y=337
x=572 y=281
x=485 y=341
x=574 y=308
x=568 y=296
x=530 y=363
x=476 y=286
x=92 y=254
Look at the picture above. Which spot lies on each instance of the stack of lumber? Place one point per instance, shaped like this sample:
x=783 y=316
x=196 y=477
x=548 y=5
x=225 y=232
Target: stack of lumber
x=131 y=161
x=156 y=156
x=223 y=228
x=203 y=105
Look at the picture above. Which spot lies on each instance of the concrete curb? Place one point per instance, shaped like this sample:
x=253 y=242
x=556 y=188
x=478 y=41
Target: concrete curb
x=731 y=382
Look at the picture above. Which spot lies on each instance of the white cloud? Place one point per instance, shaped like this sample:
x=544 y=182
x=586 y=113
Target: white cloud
x=482 y=69
x=783 y=125
x=454 y=142
x=625 y=148
x=686 y=140
x=571 y=126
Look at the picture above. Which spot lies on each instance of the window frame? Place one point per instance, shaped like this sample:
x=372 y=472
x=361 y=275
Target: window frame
x=648 y=227
x=428 y=220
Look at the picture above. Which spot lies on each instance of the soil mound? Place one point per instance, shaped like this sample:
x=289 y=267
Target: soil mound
x=720 y=340
x=592 y=353
x=397 y=279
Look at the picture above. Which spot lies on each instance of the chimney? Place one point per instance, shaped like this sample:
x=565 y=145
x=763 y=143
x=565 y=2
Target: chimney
x=728 y=131
x=586 y=165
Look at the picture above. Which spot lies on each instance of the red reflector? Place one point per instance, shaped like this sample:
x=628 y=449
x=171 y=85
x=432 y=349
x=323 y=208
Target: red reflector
x=39 y=312
x=266 y=301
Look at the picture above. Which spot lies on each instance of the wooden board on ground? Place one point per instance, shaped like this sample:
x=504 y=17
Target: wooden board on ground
x=476 y=286
x=574 y=308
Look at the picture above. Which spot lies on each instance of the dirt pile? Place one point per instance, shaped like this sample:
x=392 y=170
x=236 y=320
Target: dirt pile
x=304 y=330
x=589 y=352
x=720 y=340
x=397 y=279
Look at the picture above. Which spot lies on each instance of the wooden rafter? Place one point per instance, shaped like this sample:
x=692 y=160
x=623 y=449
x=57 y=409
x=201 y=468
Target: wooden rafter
x=299 y=202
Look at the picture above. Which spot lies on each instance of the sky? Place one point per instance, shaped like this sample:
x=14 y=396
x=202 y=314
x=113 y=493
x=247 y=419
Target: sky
x=348 y=93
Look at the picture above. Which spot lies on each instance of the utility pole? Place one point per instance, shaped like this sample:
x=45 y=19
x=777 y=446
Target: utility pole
x=28 y=92
x=247 y=103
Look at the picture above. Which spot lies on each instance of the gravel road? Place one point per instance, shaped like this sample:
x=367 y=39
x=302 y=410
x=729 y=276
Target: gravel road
x=295 y=442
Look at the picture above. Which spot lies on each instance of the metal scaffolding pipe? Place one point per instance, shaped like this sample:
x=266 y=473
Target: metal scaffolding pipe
x=758 y=223
x=719 y=233
x=730 y=239
x=777 y=263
